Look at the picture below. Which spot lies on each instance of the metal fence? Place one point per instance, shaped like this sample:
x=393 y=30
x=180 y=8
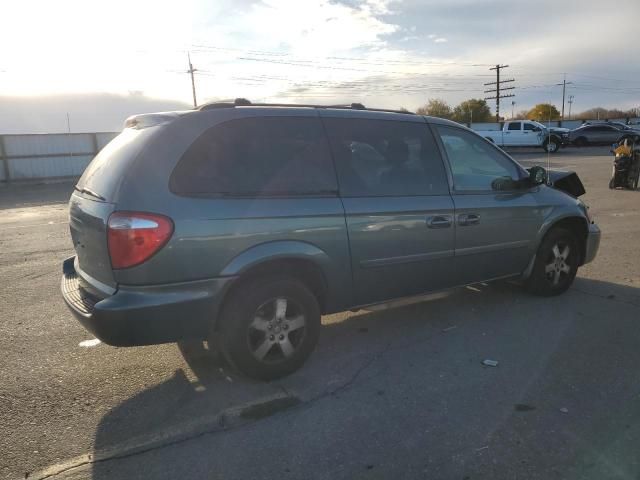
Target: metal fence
x=48 y=156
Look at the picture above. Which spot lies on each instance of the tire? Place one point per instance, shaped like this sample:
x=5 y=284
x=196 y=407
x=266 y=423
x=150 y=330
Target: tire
x=551 y=145
x=269 y=327
x=552 y=274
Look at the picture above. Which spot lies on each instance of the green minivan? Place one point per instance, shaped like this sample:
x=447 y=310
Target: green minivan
x=245 y=223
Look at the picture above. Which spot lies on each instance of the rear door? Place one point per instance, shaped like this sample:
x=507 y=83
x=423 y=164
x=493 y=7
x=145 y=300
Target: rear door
x=610 y=134
x=513 y=134
x=399 y=213
x=496 y=224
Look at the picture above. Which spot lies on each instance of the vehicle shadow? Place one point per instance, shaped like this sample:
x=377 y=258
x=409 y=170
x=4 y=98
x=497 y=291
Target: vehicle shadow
x=197 y=400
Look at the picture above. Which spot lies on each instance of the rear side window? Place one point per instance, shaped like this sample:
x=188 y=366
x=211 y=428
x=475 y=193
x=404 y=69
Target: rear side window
x=516 y=126
x=385 y=158
x=259 y=156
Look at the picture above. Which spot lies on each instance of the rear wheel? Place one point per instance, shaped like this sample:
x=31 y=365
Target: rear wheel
x=269 y=327
x=556 y=263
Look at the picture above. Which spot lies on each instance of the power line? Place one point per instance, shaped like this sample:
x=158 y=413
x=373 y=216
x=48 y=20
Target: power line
x=498 y=84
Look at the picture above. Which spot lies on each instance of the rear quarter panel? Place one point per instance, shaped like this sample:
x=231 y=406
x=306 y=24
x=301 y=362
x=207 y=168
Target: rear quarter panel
x=213 y=233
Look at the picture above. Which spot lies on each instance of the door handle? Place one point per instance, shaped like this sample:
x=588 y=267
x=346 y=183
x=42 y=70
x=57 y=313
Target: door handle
x=468 y=219
x=439 y=221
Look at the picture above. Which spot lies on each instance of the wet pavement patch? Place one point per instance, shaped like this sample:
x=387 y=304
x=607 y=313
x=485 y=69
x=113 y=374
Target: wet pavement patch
x=268 y=408
x=521 y=407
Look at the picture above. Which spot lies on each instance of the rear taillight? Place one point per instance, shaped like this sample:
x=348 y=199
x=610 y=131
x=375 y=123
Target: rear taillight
x=134 y=237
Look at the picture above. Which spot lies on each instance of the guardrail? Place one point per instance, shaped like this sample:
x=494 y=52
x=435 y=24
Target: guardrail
x=48 y=156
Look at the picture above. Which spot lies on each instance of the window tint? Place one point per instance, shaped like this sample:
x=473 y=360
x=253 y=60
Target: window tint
x=530 y=126
x=475 y=164
x=385 y=158
x=514 y=126
x=258 y=156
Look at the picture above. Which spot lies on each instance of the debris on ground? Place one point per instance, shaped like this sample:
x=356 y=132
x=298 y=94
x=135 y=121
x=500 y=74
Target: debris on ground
x=490 y=363
x=564 y=410
x=523 y=407
x=448 y=329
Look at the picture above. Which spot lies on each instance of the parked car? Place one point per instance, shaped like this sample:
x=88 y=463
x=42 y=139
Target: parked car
x=605 y=133
x=243 y=224
x=526 y=133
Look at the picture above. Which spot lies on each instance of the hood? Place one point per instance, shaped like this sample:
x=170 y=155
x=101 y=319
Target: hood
x=568 y=182
x=559 y=130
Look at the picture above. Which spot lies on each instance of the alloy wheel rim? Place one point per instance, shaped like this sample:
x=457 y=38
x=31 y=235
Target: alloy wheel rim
x=557 y=267
x=277 y=330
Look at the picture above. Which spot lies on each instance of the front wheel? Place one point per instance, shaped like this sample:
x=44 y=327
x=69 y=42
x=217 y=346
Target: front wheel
x=556 y=264
x=269 y=327
x=551 y=145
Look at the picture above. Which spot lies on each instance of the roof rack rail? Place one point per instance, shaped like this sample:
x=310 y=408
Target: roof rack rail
x=243 y=102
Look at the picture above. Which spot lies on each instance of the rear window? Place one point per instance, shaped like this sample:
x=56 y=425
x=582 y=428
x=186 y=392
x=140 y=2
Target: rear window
x=103 y=174
x=260 y=156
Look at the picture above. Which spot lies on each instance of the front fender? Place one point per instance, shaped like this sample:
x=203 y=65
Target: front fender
x=553 y=218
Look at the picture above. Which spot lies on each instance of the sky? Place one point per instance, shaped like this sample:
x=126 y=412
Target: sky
x=382 y=53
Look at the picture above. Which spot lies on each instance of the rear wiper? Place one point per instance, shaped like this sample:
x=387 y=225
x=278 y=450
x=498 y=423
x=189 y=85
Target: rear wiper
x=89 y=192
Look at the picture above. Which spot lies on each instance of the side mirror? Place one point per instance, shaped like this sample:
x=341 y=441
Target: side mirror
x=537 y=175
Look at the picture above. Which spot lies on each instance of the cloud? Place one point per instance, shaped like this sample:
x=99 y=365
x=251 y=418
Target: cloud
x=99 y=112
x=288 y=49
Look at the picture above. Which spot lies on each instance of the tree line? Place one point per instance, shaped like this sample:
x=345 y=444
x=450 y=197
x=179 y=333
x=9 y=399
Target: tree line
x=477 y=110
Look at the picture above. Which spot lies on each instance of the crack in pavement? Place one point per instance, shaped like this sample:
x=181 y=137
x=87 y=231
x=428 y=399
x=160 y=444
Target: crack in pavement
x=219 y=421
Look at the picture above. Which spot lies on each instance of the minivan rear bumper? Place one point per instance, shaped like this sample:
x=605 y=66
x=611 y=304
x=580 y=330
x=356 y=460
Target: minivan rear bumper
x=144 y=315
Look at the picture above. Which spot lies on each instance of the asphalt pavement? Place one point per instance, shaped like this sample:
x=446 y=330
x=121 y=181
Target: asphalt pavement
x=396 y=391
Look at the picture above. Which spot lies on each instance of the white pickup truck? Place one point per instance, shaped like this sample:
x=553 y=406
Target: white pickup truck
x=527 y=133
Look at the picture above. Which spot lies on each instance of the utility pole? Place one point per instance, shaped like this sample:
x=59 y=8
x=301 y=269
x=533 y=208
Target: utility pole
x=513 y=105
x=498 y=84
x=570 y=102
x=193 y=82
x=564 y=87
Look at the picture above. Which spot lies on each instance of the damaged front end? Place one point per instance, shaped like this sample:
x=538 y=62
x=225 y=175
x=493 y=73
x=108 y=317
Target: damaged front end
x=568 y=182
